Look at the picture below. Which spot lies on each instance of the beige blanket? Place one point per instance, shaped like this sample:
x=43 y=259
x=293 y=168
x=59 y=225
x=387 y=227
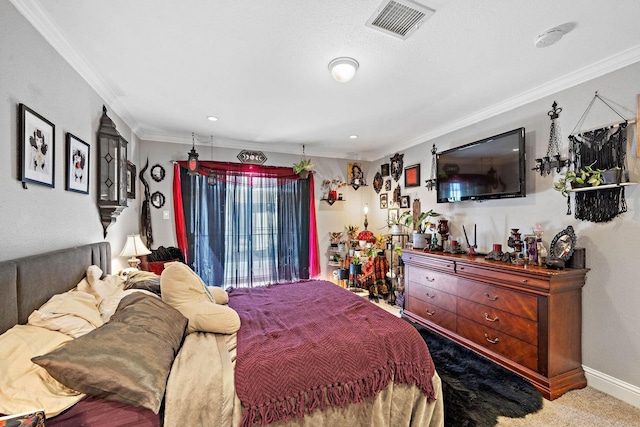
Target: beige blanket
x=200 y=391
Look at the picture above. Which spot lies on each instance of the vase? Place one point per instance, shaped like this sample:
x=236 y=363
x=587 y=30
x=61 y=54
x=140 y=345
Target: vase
x=443 y=229
x=420 y=240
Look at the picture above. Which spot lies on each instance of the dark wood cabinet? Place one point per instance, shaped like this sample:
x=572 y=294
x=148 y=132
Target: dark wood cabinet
x=526 y=318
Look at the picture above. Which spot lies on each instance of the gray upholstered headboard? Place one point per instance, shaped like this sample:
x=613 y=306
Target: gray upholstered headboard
x=27 y=283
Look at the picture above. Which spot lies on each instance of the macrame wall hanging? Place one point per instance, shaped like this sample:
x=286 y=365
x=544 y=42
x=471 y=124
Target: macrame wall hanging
x=603 y=148
x=431 y=182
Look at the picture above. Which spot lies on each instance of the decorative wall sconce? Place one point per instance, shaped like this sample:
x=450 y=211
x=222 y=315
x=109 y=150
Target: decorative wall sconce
x=193 y=164
x=112 y=170
x=552 y=160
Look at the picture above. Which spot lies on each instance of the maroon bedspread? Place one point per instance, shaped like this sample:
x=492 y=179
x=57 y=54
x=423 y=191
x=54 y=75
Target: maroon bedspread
x=312 y=344
x=96 y=412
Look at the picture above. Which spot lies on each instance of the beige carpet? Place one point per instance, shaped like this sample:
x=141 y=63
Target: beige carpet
x=577 y=408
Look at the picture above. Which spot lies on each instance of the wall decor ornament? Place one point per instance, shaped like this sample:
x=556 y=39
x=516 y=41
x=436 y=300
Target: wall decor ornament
x=387 y=185
x=377 y=182
x=252 y=157
x=355 y=175
x=157 y=173
x=397 y=163
x=431 y=182
x=396 y=194
x=157 y=200
x=36 y=147
x=412 y=176
x=112 y=171
x=78 y=159
x=384 y=168
x=405 y=201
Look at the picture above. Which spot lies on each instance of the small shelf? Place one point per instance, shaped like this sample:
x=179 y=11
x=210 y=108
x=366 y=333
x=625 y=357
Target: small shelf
x=602 y=187
x=332 y=201
x=356 y=186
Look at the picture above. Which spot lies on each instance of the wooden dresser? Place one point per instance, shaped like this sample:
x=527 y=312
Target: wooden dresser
x=526 y=318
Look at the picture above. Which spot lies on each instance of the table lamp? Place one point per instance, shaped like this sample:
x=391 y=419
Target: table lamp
x=134 y=247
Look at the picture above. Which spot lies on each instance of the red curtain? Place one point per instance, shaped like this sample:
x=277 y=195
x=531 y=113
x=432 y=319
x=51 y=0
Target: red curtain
x=314 y=250
x=178 y=213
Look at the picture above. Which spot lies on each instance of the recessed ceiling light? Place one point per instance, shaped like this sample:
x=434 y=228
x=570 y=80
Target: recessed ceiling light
x=353 y=136
x=212 y=118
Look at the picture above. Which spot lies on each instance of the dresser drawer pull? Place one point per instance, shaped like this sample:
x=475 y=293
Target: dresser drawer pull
x=525 y=280
x=429 y=279
x=490 y=298
x=430 y=296
x=486 y=317
x=494 y=341
x=429 y=313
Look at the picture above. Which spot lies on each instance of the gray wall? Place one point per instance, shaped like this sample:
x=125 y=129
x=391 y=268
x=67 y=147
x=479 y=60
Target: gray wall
x=40 y=219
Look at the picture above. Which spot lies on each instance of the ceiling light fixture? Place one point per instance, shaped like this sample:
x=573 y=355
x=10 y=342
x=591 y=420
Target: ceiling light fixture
x=353 y=136
x=343 y=69
x=549 y=37
x=193 y=164
x=212 y=118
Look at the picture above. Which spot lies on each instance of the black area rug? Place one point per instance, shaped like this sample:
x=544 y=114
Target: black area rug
x=476 y=390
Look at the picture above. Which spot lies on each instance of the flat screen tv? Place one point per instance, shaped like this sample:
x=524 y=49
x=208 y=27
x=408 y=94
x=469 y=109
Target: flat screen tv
x=491 y=168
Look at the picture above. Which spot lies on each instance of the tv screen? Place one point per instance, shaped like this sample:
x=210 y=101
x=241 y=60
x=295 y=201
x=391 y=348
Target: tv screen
x=492 y=168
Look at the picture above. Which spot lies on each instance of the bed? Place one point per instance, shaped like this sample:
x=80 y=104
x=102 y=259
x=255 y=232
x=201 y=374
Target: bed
x=235 y=371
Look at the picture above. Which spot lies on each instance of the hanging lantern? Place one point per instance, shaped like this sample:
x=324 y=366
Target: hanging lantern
x=193 y=164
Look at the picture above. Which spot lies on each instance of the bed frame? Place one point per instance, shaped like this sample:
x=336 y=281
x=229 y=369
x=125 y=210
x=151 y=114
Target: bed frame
x=27 y=283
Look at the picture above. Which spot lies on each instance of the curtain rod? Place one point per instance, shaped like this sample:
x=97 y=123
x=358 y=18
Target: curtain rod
x=610 y=125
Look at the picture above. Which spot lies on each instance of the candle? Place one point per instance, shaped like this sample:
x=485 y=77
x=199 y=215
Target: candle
x=475 y=238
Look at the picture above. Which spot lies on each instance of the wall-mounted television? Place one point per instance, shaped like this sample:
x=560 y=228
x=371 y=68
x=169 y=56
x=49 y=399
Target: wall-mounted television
x=491 y=168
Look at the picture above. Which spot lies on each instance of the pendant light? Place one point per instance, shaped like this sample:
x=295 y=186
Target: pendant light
x=193 y=164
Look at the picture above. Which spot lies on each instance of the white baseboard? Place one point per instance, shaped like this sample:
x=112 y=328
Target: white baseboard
x=613 y=386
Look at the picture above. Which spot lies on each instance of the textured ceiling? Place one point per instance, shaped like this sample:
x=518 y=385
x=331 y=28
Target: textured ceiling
x=261 y=66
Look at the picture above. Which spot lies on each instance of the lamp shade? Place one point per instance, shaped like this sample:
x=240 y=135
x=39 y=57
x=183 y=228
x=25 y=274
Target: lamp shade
x=343 y=69
x=134 y=247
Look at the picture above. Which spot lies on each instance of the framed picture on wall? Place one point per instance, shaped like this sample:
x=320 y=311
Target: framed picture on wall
x=383 y=201
x=131 y=180
x=412 y=176
x=405 y=201
x=36 y=148
x=384 y=169
x=77 y=155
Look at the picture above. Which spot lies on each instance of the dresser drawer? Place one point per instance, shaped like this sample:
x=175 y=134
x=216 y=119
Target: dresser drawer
x=422 y=260
x=499 y=342
x=503 y=299
x=494 y=276
x=433 y=279
x=432 y=313
x=516 y=326
x=432 y=296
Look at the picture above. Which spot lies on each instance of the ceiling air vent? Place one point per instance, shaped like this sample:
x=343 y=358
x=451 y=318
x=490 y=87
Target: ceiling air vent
x=399 y=18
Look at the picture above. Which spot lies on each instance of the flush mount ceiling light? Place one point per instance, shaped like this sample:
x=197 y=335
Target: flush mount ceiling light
x=343 y=69
x=549 y=37
x=212 y=118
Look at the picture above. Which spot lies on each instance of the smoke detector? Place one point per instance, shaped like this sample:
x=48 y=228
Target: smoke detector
x=549 y=37
x=399 y=18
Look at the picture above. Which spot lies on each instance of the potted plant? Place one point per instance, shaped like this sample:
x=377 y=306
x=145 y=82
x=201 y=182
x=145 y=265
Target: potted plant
x=420 y=240
x=587 y=176
x=303 y=167
x=355 y=267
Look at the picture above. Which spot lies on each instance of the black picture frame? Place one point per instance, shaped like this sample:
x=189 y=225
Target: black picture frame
x=405 y=201
x=384 y=201
x=131 y=180
x=387 y=185
x=157 y=200
x=78 y=156
x=36 y=148
x=412 y=176
x=384 y=169
x=157 y=173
